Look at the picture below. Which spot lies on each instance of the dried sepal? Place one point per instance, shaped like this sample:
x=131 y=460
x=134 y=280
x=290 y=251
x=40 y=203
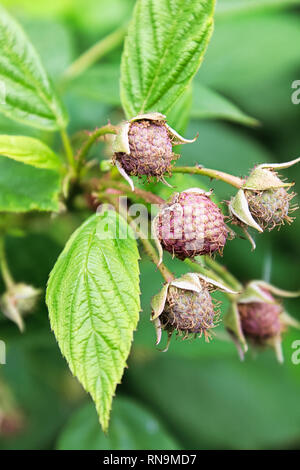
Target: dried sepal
x=158 y=302
x=17 y=301
x=239 y=208
x=233 y=324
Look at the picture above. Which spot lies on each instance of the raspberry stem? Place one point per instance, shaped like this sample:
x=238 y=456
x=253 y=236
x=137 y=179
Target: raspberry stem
x=148 y=247
x=108 y=129
x=213 y=174
x=147 y=196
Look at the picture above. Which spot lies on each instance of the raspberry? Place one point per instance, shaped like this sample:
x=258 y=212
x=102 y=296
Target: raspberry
x=150 y=149
x=269 y=208
x=191 y=225
x=188 y=312
x=260 y=320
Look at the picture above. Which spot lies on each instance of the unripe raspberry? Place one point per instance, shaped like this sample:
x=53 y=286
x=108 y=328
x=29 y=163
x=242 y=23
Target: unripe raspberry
x=263 y=200
x=269 y=208
x=185 y=306
x=18 y=301
x=191 y=225
x=188 y=312
x=150 y=149
x=260 y=321
x=143 y=146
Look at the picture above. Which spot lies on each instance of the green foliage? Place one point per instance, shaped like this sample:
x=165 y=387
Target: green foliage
x=198 y=391
x=25 y=188
x=27 y=95
x=93 y=301
x=29 y=151
x=163 y=51
x=207 y=104
x=255 y=402
x=132 y=427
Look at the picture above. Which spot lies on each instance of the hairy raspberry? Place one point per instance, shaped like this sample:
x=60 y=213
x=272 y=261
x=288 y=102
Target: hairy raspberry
x=191 y=225
x=150 y=149
x=189 y=312
x=270 y=208
x=260 y=320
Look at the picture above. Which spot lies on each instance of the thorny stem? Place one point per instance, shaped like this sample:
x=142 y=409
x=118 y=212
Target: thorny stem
x=148 y=247
x=108 y=129
x=214 y=174
x=96 y=52
x=7 y=277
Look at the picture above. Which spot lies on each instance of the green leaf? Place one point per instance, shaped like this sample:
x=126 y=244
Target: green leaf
x=25 y=188
x=93 y=301
x=179 y=116
x=237 y=6
x=208 y=104
x=29 y=151
x=132 y=427
x=27 y=94
x=100 y=83
x=163 y=50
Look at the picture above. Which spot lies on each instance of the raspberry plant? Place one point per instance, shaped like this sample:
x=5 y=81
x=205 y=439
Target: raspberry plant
x=93 y=290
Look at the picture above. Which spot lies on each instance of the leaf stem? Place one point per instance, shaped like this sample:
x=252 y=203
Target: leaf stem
x=7 y=277
x=214 y=174
x=96 y=52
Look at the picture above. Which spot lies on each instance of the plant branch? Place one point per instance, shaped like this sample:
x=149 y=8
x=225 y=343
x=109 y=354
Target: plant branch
x=96 y=52
x=7 y=277
x=148 y=247
x=207 y=271
x=214 y=174
x=223 y=272
x=147 y=196
x=68 y=149
x=94 y=136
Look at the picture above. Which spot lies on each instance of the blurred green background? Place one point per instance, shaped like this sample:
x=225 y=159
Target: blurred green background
x=198 y=395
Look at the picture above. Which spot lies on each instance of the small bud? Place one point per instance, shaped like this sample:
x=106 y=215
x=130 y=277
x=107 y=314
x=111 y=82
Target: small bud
x=143 y=146
x=18 y=301
x=264 y=201
x=186 y=307
x=257 y=316
x=191 y=225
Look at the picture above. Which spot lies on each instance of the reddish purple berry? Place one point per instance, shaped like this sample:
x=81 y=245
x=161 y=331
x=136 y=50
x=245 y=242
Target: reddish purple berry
x=191 y=225
x=151 y=151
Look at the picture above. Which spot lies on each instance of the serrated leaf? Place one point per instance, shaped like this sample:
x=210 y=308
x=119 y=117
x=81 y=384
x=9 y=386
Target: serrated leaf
x=163 y=50
x=29 y=151
x=25 y=188
x=93 y=301
x=27 y=94
x=208 y=104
